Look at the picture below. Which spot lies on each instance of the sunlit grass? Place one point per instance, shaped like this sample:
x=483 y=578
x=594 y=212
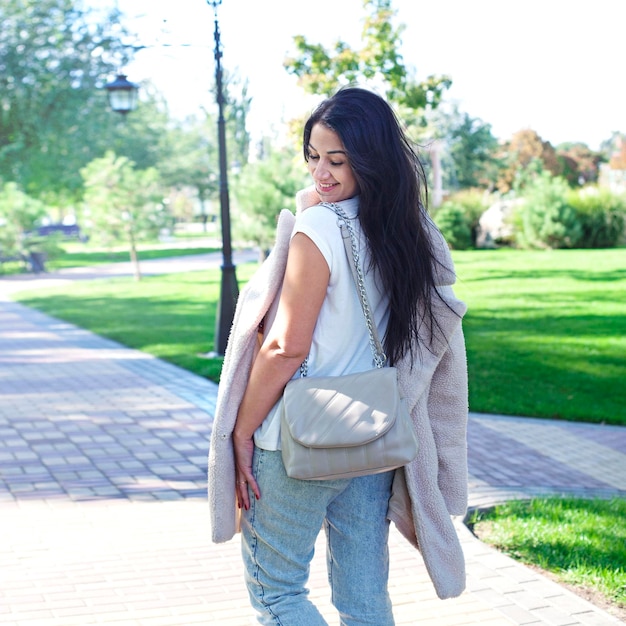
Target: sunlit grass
x=582 y=542
x=86 y=256
x=76 y=254
x=546 y=332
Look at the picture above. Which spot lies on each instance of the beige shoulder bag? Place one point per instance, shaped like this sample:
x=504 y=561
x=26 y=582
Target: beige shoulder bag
x=347 y=426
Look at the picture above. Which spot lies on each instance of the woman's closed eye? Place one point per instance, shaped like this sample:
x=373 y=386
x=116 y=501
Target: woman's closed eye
x=316 y=157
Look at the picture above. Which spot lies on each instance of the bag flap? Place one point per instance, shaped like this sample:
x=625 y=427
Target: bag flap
x=341 y=411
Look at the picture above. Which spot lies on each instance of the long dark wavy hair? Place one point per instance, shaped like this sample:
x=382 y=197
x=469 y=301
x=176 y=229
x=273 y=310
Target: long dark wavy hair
x=392 y=196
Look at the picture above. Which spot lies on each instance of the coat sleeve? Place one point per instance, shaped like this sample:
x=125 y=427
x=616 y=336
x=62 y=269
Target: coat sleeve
x=448 y=394
x=254 y=301
x=448 y=412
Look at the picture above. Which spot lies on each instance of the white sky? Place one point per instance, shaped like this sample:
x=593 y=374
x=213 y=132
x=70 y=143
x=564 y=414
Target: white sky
x=556 y=66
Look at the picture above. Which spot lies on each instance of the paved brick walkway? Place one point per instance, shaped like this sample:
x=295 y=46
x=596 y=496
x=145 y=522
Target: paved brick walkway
x=103 y=514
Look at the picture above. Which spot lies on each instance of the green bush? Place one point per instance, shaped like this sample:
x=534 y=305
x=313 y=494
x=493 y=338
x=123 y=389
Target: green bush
x=601 y=215
x=454 y=226
x=18 y=215
x=458 y=216
x=50 y=246
x=545 y=220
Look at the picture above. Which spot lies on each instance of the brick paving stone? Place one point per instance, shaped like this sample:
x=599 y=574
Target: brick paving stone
x=595 y=618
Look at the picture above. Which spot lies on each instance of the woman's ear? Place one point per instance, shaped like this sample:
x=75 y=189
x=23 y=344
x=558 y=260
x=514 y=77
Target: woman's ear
x=306 y=198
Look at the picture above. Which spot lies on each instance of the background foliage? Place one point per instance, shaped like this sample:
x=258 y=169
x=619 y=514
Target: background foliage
x=57 y=55
x=54 y=60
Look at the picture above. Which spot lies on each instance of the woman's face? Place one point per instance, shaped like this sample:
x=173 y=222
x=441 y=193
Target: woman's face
x=329 y=167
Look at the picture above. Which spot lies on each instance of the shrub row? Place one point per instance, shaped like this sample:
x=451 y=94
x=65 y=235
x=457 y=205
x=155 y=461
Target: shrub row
x=548 y=214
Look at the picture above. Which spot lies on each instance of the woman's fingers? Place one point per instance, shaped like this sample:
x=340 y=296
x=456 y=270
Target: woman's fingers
x=242 y=494
x=244 y=451
x=243 y=487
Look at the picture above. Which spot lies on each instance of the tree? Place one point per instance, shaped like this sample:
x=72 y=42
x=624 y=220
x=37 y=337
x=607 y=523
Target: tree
x=470 y=149
x=189 y=148
x=54 y=57
x=618 y=157
x=580 y=163
x=525 y=147
x=123 y=204
x=237 y=109
x=190 y=159
x=612 y=145
x=379 y=62
x=139 y=135
x=613 y=170
x=263 y=189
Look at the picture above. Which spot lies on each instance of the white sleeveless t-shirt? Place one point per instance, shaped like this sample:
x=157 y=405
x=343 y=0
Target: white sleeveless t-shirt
x=340 y=340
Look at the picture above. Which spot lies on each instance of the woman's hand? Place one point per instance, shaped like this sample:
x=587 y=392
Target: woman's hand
x=244 y=479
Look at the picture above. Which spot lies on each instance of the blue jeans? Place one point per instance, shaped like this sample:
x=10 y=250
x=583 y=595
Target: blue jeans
x=278 y=540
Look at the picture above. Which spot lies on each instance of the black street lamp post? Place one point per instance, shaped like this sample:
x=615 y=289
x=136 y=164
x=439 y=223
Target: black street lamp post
x=229 y=289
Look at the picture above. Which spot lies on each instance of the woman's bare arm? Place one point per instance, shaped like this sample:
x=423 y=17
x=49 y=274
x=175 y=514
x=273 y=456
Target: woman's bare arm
x=285 y=347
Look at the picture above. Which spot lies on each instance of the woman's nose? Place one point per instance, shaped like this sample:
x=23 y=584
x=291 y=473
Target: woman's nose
x=321 y=171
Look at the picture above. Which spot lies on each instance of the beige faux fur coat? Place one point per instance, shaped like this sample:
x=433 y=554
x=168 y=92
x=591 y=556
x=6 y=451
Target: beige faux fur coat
x=429 y=490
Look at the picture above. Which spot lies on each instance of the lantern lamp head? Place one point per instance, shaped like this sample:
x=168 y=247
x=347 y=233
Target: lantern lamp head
x=122 y=94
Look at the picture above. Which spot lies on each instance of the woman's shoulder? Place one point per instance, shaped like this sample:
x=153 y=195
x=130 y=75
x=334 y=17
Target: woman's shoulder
x=316 y=216
x=325 y=211
x=314 y=212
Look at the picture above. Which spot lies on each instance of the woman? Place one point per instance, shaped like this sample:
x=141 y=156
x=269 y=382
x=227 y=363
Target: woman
x=358 y=158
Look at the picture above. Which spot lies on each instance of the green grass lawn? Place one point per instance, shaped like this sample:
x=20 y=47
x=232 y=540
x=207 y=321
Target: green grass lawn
x=581 y=542
x=545 y=331
x=81 y=256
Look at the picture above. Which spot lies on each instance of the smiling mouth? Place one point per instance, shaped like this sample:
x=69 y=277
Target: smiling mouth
x=326 y=186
